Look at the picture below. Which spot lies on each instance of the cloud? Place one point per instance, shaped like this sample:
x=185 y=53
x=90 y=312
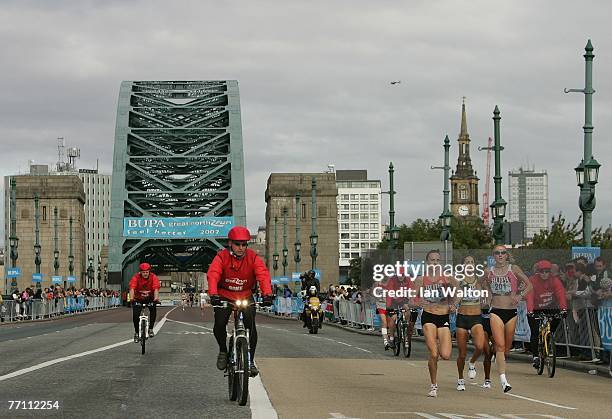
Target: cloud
x=314 y=81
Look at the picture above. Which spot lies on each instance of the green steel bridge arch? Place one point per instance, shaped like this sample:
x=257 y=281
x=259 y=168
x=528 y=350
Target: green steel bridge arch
x=177 y=153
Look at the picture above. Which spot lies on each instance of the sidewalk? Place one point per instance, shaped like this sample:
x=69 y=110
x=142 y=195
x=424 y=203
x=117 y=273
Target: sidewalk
x=587 y=367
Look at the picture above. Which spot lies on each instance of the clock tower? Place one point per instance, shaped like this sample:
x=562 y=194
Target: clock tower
x=464 y=182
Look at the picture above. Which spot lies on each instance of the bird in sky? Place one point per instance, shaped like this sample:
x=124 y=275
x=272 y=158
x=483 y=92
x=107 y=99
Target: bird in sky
x=396 y=82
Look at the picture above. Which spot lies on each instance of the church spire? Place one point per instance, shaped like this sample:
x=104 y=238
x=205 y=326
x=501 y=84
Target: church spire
x=463 y=133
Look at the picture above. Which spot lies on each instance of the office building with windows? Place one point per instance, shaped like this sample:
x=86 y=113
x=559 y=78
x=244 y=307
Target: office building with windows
x=528 y=200
x=359 y=215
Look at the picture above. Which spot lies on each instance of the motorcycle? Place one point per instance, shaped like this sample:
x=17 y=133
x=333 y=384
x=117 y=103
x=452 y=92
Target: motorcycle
x=314 y=314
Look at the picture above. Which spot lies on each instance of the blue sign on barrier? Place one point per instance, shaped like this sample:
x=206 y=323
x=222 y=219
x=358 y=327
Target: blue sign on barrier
x=37 y=277
x=13 y=272
x=588 y=252
x=56 y=279
x=295 y=276
x=604 y=314
x=277 y=280
x=177 y=227
x=71 y=278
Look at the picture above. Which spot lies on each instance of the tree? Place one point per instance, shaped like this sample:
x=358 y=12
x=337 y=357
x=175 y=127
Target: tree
x=564 y=235
x=466 y=233
x=355 y=271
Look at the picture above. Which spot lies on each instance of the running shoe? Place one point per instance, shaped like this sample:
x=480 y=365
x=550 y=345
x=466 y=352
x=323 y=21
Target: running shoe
x=506 y=387
x=536 y=362
x=461 y=385
x=386 y=343
x=471 y=371
x=433 y=392
x=487 y=384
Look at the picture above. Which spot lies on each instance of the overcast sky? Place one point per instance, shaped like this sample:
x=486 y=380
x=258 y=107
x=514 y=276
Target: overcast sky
x=314 y=84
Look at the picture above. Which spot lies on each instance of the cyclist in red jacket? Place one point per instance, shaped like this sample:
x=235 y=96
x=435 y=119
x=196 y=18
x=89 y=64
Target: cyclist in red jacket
x=548 y=296
x=144 y=288
x=232 y=275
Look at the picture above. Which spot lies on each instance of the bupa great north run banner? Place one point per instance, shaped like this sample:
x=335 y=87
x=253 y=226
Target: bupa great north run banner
x=177 y=227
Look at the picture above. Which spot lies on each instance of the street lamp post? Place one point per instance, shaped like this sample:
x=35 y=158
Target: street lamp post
x=70 y=255
x=99 y=272
x=90 y=272
x=587 y=171
x=298 y=243
x=314 y=237
x=499 y=205
x=392 y=231
x=105 y=276
x=446 y=216
x=37 y=247
x=56 y=249
x=285 y=250
x=13 y=239
x=275 y=255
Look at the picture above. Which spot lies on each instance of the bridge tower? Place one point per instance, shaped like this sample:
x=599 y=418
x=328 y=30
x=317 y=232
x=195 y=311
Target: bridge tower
x=177 y=153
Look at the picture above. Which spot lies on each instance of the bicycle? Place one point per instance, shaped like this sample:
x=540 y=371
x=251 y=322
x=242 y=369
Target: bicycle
x=546 y=343
x=143 y=324
x=403 y=333
x=239 y=355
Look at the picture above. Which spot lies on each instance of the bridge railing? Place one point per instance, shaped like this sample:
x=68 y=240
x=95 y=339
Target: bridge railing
x=11 y=311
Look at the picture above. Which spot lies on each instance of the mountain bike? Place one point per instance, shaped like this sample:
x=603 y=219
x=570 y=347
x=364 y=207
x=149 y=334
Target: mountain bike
x=546 y=342
x=239 y=355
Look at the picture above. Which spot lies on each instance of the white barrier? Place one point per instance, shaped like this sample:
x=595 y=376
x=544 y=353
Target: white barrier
x=11 y=310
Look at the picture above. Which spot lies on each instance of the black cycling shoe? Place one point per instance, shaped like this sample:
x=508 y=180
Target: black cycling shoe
x=136 y=340
x=151 y=334
x=254 y=372
x=222 y=361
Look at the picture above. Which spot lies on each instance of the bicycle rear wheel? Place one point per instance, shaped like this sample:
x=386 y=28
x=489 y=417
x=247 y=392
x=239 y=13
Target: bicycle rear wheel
x=551 y=359
x=143 y=335
x=243 y=367
x=232 y=383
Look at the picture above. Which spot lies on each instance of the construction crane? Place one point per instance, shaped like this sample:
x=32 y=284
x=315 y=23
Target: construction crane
x=485 y=195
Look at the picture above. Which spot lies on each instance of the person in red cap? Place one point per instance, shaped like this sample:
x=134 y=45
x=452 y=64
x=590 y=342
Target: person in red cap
x=548 y=296
x=144 y=288
x=233 y=275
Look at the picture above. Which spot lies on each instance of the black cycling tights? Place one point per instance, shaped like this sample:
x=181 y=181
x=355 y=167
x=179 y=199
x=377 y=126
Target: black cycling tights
x=137 y=309
x=222 y=316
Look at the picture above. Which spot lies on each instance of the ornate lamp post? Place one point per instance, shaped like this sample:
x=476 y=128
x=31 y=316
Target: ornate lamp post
x=314 y=238
x=298 y=244
x=587 y=171
x=446 y=216
x=275 y=255
x=56 y=252
x=37 y=247
x=285 y=250
x=90 y=272
x=499 y=205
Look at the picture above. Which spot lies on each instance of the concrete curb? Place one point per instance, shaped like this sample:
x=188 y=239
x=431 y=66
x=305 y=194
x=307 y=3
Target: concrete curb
x=601 y=370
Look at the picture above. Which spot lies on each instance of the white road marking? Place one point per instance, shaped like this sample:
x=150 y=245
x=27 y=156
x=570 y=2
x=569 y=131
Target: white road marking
x=23 y=371
x=261 y=407
x=190 y=324
x=543 y=402
x=340 y=415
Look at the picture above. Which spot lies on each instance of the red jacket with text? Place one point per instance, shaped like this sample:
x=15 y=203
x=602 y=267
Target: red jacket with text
x=143 y=288
x=233 y=278
x=546 y=294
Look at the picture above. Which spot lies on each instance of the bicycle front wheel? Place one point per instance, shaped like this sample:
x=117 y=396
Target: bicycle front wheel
x=232 y=382
x=143 y=335
x=243 y=370
x=542 y=354
x=397 y=339
x=551 y=359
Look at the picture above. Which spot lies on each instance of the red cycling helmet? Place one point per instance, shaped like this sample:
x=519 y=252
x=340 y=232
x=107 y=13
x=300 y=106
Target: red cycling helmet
x=239 y=233
x=145 y=266
x=543 y=264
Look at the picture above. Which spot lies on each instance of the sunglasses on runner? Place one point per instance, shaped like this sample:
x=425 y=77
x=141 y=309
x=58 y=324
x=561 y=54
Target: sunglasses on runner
x=499 y=252
x=544 y=271
x=241 y=244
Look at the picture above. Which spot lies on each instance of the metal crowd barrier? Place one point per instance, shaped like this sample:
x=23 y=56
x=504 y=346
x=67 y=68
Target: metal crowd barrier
x=354 y=314
x=11 y=311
